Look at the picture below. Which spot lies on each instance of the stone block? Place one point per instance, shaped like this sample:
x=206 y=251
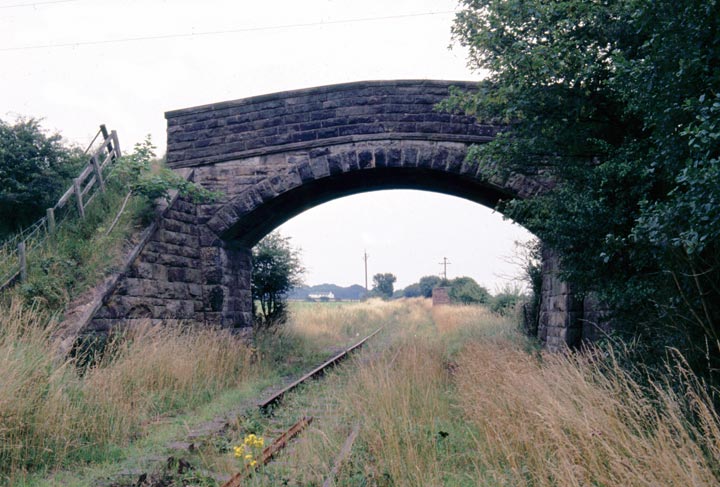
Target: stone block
x=178 y=226
x=409 y=156
x=320 y=166
x=394 y=157
x=305 y=171
x=425 y=158
x=365 y=159
x=380 y=157
x=335 y=164
x=440 y=159
x=179 y=239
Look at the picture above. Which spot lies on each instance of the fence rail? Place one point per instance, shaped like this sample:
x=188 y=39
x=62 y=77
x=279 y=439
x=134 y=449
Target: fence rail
x=85 y=187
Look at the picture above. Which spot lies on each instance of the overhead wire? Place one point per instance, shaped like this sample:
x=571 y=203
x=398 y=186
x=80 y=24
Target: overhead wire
x=219 y=32
x=38 y=4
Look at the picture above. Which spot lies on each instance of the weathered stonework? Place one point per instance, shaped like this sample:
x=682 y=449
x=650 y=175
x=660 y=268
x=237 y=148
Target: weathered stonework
x=274 y=156
x=440 y=296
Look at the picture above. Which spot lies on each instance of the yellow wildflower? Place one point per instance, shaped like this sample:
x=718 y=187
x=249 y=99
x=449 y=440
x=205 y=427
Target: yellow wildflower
x=248 y=456
x=250 y=439
x=239 y=451
x=253 y=463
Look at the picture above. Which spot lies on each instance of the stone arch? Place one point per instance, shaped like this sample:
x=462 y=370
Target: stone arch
x=274 y=156
x=322 y=175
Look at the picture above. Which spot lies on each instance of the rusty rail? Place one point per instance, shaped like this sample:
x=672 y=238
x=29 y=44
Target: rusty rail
x=269 y=452
x=277 y=397
x=282 y=441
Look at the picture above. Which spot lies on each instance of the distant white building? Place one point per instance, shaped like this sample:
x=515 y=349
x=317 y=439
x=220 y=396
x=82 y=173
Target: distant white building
x=328 y=296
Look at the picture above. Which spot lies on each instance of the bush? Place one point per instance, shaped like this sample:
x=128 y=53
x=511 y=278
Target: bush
x=465 y=290
x=35 y=169
x=276 y=270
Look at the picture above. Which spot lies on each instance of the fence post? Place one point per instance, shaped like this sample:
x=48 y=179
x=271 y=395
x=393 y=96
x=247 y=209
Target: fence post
x=104 y=132
x=98 y=172
x=50 y=214
x=78 y=195
x=116 y=144
x=23 y=261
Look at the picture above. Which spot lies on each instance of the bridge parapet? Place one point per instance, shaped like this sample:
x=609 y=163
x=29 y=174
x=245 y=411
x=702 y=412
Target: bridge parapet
x=315 y=117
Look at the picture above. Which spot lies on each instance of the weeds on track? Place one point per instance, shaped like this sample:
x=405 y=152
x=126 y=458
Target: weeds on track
x=455 y=396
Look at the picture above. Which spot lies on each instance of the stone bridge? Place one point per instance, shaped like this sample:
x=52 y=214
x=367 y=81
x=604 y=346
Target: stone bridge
x=275 y=156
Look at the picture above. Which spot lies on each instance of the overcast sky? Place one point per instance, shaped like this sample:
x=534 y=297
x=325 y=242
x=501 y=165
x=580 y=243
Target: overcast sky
x=80 y=63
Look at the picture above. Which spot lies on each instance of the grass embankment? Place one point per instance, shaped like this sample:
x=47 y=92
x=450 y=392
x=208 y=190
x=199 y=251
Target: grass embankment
x=454 y=396
x=54 y=414
x=80 y=253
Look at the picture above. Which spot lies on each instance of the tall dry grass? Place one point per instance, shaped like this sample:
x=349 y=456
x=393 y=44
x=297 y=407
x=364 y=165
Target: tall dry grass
x=572 y=420
x=469 y=403
x=52 y=415
x=333 y=322
x=400 y=399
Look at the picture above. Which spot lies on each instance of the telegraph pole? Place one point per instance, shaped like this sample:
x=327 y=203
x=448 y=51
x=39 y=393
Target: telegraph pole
x=445 y=263
x=365 y=258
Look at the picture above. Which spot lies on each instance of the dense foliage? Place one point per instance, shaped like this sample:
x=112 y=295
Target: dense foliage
x=276 y=270
x=35 y=169
x=383 y=285
x=465 y=290
x=462 y=290
x=616 y=102
x=144 y=177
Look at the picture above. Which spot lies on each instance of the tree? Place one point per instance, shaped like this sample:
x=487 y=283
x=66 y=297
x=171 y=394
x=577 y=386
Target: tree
x=428 y=283
x=413 y=291
x=383 y=285
x=276 y=270
x=506 y=299
x=465 y=290
x=595 y=98
x=35 y=168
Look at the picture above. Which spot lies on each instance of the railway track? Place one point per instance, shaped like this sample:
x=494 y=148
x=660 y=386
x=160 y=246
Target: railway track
x=268 y=406
x=270 y=417
x=273 y=400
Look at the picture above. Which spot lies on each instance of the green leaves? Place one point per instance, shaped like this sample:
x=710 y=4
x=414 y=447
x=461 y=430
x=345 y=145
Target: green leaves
x=35 y=168
x=139 y=174
x=383 y=285
x=276 y=270
x=619 y=102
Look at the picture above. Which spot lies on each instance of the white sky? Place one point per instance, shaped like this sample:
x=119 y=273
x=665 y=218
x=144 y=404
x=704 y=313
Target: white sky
x=274 y=46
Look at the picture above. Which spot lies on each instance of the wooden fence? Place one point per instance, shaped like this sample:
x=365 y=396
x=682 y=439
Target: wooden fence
x=85 y=187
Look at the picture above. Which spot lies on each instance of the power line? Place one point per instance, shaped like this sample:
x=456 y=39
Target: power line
x=220 y=32
x=445 y=263
x=37 y=4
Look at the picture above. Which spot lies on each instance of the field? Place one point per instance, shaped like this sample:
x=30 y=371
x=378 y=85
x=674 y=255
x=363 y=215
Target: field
x=442 y=396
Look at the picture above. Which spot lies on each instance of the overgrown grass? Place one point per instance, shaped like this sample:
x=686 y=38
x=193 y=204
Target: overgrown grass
x=575 y=420
x=443 y=396
x=455 y=396
x=76 y=257
x=52 y=415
